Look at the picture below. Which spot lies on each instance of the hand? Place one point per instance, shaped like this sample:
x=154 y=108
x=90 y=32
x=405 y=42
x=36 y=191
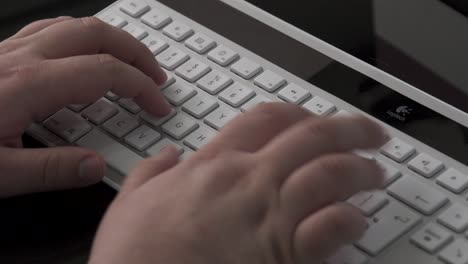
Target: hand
x=51 y=64
x=268 y=189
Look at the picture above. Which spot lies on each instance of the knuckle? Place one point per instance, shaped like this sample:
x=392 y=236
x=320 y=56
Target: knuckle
x=26 y=73
x=110 y=63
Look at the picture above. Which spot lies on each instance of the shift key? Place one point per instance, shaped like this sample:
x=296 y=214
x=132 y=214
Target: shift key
x=387 y=226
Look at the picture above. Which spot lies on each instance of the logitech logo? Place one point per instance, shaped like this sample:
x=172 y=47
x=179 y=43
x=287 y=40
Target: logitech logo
x=400 y=112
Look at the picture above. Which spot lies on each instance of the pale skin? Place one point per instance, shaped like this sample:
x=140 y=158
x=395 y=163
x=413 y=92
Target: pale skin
x=268 y=189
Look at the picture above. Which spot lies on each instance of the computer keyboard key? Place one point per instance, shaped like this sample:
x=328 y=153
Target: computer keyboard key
x=200 y=105
x=387 y=226
x=45 y=136
x=453 y=180
x=319 y=106
x=156 y=121
x=156 y=19
x=142 y=138
x=236 y=95
x=369 y=202
x=67 y=125
x=269 y=81
x=418 y=194
x=455 y=217
x=137 y=32
x=202 y=136
x=252 y=103
x=193 y=70
x=179 y=93
x=180 y=126
x=398 y=150
x=130 y=105
x=391 y=173
x=246 y=68
x=114 y=20
x=223 y=55
x=187 y=154
x=425 y=165
x=177 y=31
x=77 y=107
x=214 y=82
x=455 y=253
x=220 y=117
x=348 y=255
x=121 y=124
x=112 y=96
x=172 y=58
x=294 y=94
x=200 y=43
x=134 y=8
x=117 y=156
x=431 y=238
x=155 y=45
x=100 y=111
x=165 y=142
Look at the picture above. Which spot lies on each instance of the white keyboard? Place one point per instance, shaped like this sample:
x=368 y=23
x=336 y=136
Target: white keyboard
x=421 y=216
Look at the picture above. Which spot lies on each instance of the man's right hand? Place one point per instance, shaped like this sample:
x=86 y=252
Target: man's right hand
x=268 y=189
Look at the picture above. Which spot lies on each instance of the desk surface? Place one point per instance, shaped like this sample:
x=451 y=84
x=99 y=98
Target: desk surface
x=55 y=227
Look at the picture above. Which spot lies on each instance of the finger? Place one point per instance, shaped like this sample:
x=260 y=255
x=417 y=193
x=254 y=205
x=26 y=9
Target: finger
x=87 y=36
x=333 y=178
x=151 y=168
x=37 y=170
x=38 y=26
x=251 y=131
x=84 y=79
x=315 y=137
x=323 y=233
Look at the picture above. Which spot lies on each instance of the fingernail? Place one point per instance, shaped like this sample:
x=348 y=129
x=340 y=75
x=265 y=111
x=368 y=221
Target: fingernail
x=162 y=76
x=91 y=170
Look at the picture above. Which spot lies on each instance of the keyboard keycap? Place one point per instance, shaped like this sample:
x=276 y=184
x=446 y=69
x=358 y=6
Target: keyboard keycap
x=117 y=156
x=293 y=94
x=67 y=125
x=172 y=58
x=269 y=81
x=455 y=253
x=177 y=31
x=220 y=117
x=134 y=8
x=455 y=218
x=348 y=255
x=187 y=154
x=200 y=137
x=431 y=238
x=319 y=106
x=236 y=94
x=180 y=126
x=193 y=70
x=453 y=180
x=223 y=55
x=155 y=45
x=200 y=43
x=257 y=100
x=398 y=150
x=179 y=93
x=387 y=226
x=114 y=20
x=136 y=31
x=391 y=173
x=214 y=82
x=200 y=105
x=418 y=195
x=142 y=138
x=121 y=124
x=130 y=105
x=77 y=107
x=112 y=96
x=246 y=68
x=369 y=202
x=156 y=19
x=45 y=136
x=425 y=165
x=100 y=112
x=158 y=147
x=156 y=121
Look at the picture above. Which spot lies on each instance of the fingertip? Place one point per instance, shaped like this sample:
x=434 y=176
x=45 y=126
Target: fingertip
x=91 y=169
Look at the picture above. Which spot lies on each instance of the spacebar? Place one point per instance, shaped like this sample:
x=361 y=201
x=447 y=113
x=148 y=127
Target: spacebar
x=116 y=155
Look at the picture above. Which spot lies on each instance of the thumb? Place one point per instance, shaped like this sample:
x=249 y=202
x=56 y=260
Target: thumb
x=36 y=170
